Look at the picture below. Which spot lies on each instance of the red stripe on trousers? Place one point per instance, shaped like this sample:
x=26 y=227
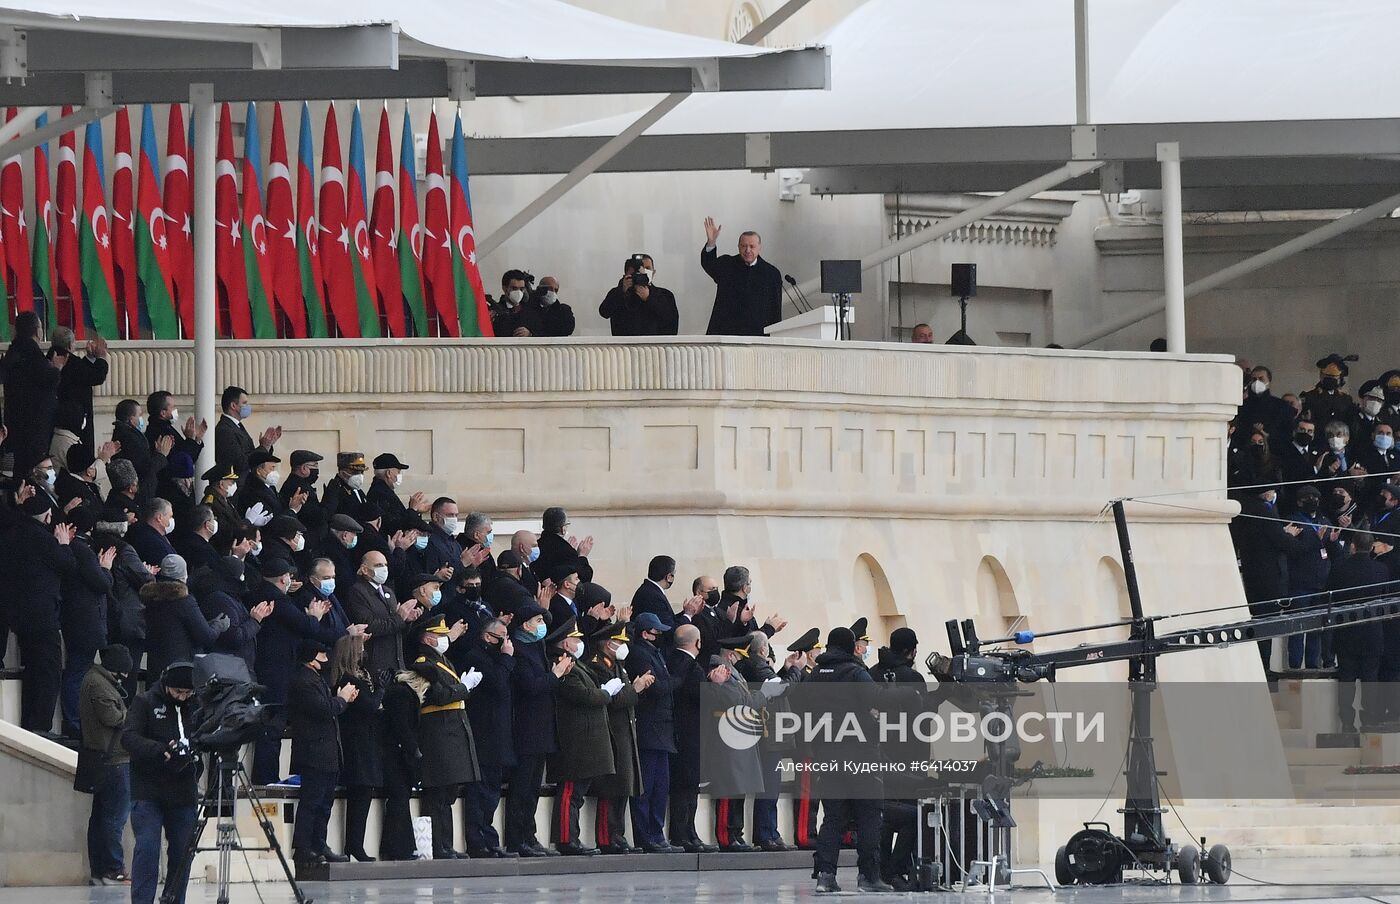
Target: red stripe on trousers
x=601 y=830
x=565 y=811
x=804 y=810
x=722 y=821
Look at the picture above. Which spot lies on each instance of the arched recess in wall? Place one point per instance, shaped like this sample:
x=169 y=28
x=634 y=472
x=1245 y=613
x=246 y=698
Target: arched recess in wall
x=874 y=599
x=997 y=609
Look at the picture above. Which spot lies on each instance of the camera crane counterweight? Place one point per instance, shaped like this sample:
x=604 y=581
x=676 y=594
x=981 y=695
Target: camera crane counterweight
x=1095 y=856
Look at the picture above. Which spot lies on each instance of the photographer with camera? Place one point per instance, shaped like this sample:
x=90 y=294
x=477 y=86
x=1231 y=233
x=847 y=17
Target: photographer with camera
x=636 y=306
x=164 y=779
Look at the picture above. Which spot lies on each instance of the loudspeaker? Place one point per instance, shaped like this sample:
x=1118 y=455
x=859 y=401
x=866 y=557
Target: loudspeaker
x=840 y=277
x=964 y=280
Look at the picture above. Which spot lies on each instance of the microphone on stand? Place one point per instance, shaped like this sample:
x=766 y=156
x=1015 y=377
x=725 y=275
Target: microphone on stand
x=806 y=305
x=796 y=302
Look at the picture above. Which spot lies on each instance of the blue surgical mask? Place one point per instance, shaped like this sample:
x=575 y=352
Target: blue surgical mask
x=353 y=541
x=540 y=631
x=534 y=554
x=1385 y=442
x=244 y=411
x=490 y=538
x=328 y=587
x=437 y=596
x=421 y=542
x=141 y=424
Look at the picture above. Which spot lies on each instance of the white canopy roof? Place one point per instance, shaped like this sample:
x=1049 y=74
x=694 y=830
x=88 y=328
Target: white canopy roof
x=463 y=48
x=981 y=97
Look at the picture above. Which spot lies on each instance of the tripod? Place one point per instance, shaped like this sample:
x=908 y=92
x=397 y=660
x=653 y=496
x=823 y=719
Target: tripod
x=227 y=779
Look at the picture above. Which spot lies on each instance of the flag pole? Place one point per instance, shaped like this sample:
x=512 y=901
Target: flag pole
x=205 y=293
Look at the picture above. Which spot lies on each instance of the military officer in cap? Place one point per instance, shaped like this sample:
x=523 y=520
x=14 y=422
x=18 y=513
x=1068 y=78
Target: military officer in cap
x=219 y=495
x=1326 y=401
x=729 y=811
x=383 y=491
x=804 y=806
x=610 y=649
x=861 y=630
x=346 y=490
x=755 y=666
x=656 y=733
x=257 y=492
x=584 y=740
x=444 y=733
x=298 y=493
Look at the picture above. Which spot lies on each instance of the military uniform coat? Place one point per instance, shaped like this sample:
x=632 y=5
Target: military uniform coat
x=626 y=777
x=444 y=735
x=581 y=729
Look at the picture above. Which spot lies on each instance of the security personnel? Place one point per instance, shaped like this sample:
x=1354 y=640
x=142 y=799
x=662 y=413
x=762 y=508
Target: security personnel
x=861 y=630
x=489 y=710
x=444 y=734
x=610 y=648
x=841 y=665
x=298 y=494
x=539 y=666
x=346 y=490
x=804 y=807
x=1326 y=401
x=222 y=488
x=656 y=734
x=585 y=743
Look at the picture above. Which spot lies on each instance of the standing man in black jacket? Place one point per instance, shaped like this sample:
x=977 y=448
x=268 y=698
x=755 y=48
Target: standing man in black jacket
x=687 y=677
x=749 y=293
x=651 y=595
x=489 y=711
x=1263 y=543
x=76 y=380
x=312 y=711
x=31 y=394
x=1359 y=648
x=164 y=780
x=656 y=734
x=37 y=558
x=232 y=442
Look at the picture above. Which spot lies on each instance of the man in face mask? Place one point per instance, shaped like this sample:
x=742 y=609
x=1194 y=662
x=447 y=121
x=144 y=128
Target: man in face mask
x=150 y=537
x=232 y=442
x=257 y=495
x=510 y=316
x=299 y=494
x=384 y=491
x=585 y=745
x=1299 y=459
x=128 y=430
x=1309 y=564
x=221 y=491
x=527 y=548
x=553 y=317
x=702 y=611
x=443 y=550
x=343 y=547
x=370 y=601
x=1326 y=400
x=539 y=664
x=1366 y=416
x=347 y=490
x=489 y=710
x=636 y=306
x=444 y=733
x=193 y=544
x=1380 y=459
x=1262 y=409
x=1264 y=542
x=563 y=606
x=163 y=419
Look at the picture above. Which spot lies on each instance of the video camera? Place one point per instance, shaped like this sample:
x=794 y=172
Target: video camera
x=634 y=264
x=229 y=711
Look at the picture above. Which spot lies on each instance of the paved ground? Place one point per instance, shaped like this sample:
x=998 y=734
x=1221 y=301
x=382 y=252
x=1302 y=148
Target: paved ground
x=1342 y=881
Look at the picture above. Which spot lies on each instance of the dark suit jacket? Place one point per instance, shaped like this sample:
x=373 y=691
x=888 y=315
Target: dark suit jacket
x=747 y=298
x=147 y=462
x=311 y=715
x=687 y=677
x=232 y=444
x=651 y=598
x=378 y=610
x=75 y=384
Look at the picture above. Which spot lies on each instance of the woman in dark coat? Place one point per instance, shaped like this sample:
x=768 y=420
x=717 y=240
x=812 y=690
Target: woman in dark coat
x=175 y=628
x=361 y=744
x=612 y=791
x=126 y=616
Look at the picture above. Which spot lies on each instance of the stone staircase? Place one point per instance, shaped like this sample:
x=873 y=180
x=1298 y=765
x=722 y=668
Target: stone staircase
x=1334 y=814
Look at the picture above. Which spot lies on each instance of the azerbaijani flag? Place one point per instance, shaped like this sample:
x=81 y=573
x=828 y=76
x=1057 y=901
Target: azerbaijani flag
x=285 y=287
x=357 y=221
x=309 y=231
x=44 y=228
x=410 y=234
x=152 y=238
x=95 y=239
x=383 y=234
x=473 y=316
x=256 y=264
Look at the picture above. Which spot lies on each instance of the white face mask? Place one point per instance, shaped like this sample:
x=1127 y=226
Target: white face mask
x=170 y=525
x=442 y=643
x=298 y=543
x=515 y=296
x=50 y=475
x=232 y=489
x=550 y=297
x=1258 y=387
x=647 y=273
x=398 y=479
x=451 y=525
x=1336 y=443
x=357 y=481
x=380 y=574
x=272 y=478
x=174 y=415
x=213 y=528
x=1372 y=407
x=621 y=653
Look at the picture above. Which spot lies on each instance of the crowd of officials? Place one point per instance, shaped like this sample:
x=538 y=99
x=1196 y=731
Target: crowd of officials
x=1315 y=476
x=408 y=649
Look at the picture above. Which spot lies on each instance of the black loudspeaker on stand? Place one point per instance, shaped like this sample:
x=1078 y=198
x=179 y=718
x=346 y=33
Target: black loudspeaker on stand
x=227 y=782
x=841 y=280
x=964 y=285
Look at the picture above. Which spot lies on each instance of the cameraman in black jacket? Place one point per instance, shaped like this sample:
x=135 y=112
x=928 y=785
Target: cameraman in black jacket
x=164 y=779
x=636 y=306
